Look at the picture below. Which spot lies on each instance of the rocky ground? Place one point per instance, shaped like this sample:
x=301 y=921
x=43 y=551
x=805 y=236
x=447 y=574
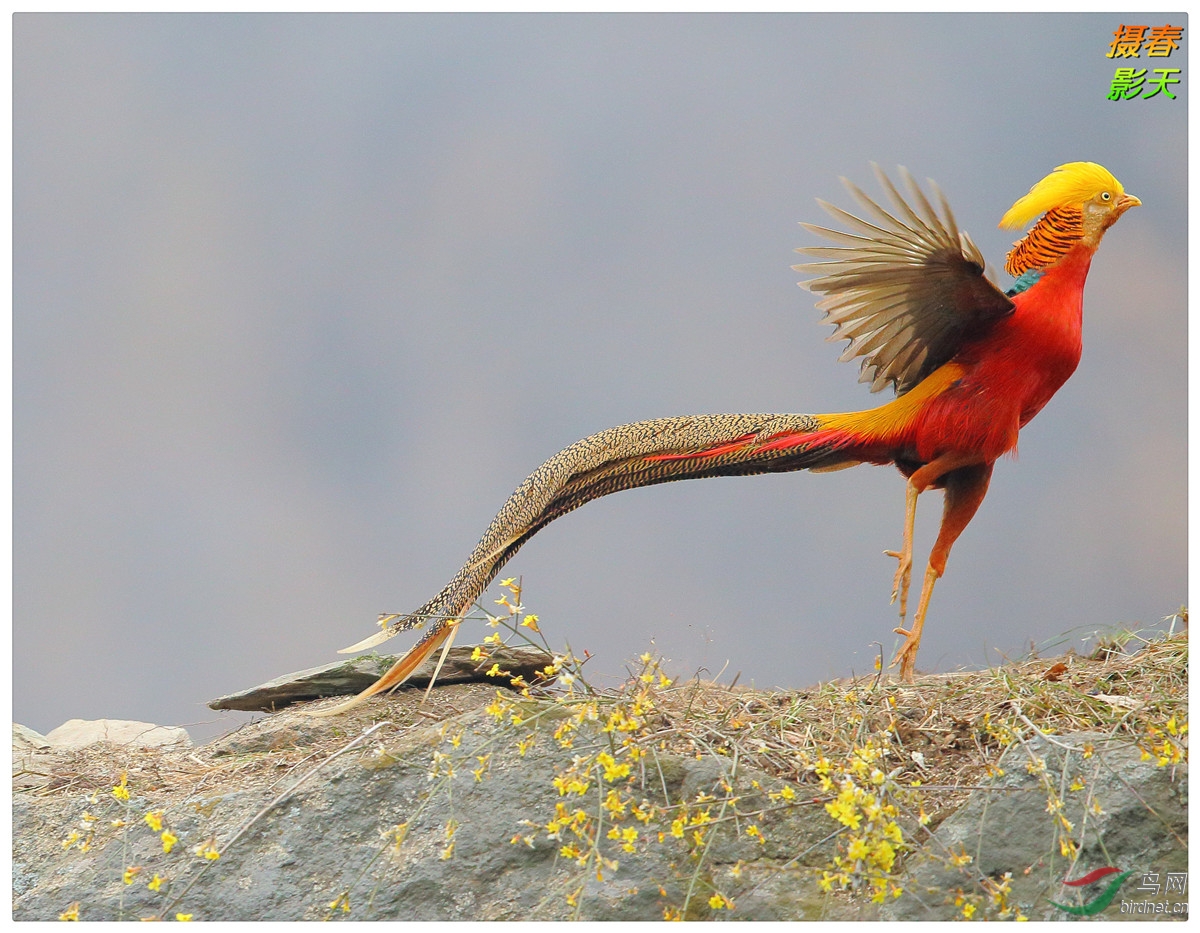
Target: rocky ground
x=970 y=795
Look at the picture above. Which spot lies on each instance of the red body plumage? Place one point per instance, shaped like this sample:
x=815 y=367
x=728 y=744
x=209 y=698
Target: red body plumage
x=1012 y=372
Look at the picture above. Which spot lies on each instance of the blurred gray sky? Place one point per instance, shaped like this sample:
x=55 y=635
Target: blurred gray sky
x=299 y=300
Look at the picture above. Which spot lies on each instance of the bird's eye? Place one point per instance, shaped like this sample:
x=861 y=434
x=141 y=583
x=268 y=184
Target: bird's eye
x=1104 y=195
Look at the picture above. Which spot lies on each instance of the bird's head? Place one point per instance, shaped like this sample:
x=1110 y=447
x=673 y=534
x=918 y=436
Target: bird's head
x=1078 y=201
x=1083 y=186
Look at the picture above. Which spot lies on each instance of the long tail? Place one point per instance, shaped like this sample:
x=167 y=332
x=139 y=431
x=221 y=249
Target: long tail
x=625 y=457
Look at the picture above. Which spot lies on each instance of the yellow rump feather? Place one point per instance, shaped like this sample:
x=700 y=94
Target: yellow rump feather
x=1069 y=185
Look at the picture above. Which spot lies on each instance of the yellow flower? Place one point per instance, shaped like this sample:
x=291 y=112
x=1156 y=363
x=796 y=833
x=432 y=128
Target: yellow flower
x=614 y=804
x=208 y=849
x=508 y=581
x=156 y=882
x=71 y=913
x=612 y=770
x=121 y=791
x=477 y=654
x=531 y=621
x=183 y=918
x=884 y=855
x=571 y=785
x=168 y=840
x=677 y=829
x=154 y=820
x=844 y=809
x=130 y=873
x=968 y=911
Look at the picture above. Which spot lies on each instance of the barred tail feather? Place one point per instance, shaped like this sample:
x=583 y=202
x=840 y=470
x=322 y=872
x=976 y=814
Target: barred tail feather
x=640 y=454
x=399 y=672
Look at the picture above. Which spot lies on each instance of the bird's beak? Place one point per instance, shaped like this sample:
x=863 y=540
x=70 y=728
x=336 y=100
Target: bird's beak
x=1125 y=202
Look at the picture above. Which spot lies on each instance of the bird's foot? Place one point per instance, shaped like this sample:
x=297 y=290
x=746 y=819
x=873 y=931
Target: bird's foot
x=901 y=580
x=906 y=657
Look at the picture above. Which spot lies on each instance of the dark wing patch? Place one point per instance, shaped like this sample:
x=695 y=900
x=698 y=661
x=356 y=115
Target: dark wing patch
x=907 y=291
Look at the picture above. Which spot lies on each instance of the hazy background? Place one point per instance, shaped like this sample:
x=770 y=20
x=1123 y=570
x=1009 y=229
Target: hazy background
x=299 y=300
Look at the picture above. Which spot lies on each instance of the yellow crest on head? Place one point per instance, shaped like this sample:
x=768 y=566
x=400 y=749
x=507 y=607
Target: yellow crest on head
x=1068 y=185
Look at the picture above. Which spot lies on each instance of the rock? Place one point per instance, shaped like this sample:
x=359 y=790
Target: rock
x=1128 y=813
x=346 y=678
x=79 y=733
x=409 y=808
x=30 y=751
x=25 y=739
x=335 y=833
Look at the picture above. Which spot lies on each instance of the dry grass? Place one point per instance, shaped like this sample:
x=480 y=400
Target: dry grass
x=941 y=724
x=259 y=754
x=945 y=725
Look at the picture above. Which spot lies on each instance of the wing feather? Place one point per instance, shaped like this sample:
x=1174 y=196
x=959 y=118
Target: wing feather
x=905 y=287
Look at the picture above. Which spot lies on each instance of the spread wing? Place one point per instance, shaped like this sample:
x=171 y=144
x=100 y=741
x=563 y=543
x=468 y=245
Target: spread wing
x=907 y=291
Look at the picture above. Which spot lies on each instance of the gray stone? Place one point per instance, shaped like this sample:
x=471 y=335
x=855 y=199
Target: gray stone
x=79 y=733
x=1141 y=825
x=327 y=836
x=346 y=678
x=25 y=739
x=301 y=809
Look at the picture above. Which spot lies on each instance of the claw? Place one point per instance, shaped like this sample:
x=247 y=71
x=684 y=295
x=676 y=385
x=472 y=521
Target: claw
x=900 y=581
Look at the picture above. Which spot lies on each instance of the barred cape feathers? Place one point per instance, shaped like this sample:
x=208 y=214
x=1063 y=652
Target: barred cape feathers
x=1046 y=242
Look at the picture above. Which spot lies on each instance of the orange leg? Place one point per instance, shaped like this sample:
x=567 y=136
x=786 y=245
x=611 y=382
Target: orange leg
x=965 y=488
x=904 y=555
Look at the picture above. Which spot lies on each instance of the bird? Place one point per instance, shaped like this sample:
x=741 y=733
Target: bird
x=970 y=364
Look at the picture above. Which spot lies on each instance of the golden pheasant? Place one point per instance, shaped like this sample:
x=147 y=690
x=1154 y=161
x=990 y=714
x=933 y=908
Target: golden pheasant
x=970 y=364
